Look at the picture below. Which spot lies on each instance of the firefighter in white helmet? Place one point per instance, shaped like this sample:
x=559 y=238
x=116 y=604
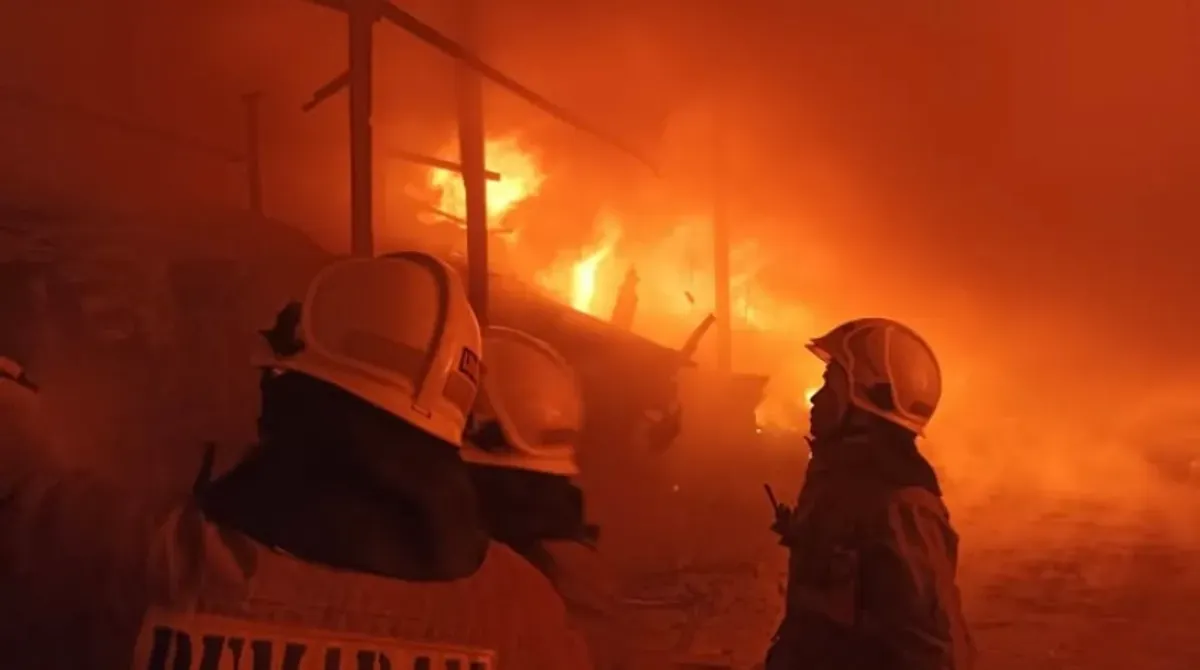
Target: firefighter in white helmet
x=521 y=445
x=349 y=538
x=872 y=578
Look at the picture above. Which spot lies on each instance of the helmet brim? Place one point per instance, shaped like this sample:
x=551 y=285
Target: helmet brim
x=819 y=351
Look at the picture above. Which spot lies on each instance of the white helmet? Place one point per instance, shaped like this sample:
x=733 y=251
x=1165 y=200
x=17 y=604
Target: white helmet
x=530 y=412
x=893 y=371
x=397 y=332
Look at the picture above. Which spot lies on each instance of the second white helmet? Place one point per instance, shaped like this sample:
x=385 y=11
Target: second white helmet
x=529 y=414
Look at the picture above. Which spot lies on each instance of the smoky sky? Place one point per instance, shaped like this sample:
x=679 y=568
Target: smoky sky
x=1012 y=163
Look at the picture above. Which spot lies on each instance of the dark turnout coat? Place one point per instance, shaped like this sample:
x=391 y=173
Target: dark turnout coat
x=872 y=571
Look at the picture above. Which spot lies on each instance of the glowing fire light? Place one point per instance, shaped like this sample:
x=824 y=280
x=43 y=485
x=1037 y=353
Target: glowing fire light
x=808 y=395
x=584 y=272
x=583 y=287
x=520 y=179
x=676 y=286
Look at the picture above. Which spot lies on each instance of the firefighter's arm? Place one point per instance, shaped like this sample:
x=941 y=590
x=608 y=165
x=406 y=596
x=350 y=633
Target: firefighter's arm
x=909 y=600
x=553 y=643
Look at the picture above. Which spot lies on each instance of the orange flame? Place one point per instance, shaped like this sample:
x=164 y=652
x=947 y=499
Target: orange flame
x=676 y=287
x=521 y=178
x=779 y=410
x=584 y=272
x=583 y=287
x=577 y=277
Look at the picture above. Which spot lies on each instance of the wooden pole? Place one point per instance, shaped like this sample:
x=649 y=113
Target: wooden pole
x=361 y=15
x=472 y=160
x=254 y=188
x=381 y=175
x=720 y=232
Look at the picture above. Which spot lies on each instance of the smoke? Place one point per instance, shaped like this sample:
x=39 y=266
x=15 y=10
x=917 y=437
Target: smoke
x=1015 y=180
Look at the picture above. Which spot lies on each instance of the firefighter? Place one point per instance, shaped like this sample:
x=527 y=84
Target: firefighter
x=521 y=446
x=873 y=556
x=349 y=538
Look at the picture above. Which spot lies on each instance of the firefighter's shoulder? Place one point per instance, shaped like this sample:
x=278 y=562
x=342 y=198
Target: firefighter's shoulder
x=912 y=511
x=222 y=585
x=912 y=527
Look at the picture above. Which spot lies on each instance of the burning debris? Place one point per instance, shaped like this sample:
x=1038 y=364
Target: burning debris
x=674 y=285
x=519 y=178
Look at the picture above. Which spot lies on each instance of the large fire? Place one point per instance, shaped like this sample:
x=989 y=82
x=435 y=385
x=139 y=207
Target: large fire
x=585 y=272
x=521 y=179
x=676 y=287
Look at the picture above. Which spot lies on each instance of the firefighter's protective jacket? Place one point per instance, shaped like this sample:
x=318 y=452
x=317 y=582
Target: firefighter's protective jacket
x=94 y=580
x=872 y=579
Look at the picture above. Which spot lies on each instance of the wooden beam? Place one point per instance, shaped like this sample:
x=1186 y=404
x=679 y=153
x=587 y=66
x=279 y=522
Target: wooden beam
x=361 y=18
x=327 y=91
x=467 y=57
x=469 y=89
x=439 y=163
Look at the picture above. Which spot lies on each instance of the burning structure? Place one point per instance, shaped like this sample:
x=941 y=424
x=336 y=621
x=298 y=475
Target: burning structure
x=631 y=382
x=470 y=195
x=621 y=295
x=138 y=301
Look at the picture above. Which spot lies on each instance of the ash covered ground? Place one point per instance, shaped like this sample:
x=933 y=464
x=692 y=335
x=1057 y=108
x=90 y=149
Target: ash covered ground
x=1049 y=579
